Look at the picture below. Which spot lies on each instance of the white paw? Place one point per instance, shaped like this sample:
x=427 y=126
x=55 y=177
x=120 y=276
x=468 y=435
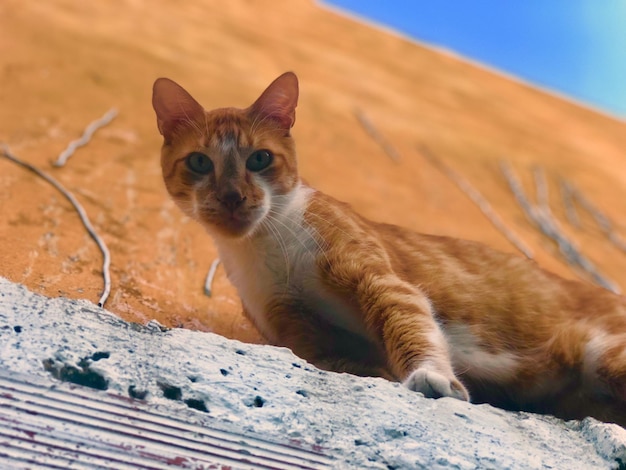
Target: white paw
x=435 y=385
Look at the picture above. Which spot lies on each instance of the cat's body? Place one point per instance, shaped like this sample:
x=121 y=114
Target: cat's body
x=441 y=315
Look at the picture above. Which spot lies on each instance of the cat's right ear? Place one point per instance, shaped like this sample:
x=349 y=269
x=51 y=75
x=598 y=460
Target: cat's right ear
x=174 y=107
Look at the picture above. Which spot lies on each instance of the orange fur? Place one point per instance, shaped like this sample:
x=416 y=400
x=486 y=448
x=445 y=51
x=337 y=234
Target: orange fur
x=447 y=317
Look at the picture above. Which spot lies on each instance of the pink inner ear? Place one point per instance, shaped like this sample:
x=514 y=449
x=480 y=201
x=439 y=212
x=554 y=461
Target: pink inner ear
x=278 y=102
x=174 y=107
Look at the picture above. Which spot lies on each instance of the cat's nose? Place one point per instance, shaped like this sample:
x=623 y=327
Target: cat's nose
x=231 y=199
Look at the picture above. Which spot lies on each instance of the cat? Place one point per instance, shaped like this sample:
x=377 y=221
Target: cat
x=446 y=317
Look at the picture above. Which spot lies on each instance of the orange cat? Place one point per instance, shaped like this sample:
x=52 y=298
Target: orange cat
x=447 y=317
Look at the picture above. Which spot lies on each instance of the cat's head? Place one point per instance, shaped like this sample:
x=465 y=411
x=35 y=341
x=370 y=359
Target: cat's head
x=228 y=167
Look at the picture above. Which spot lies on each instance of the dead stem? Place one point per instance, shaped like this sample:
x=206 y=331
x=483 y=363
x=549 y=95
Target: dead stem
x=208 y=283
x=479 y=200
x=106 y=257
x=567 y=196
x=368 y=126
x=85 y=138
x=602 y=220
x=546 y=223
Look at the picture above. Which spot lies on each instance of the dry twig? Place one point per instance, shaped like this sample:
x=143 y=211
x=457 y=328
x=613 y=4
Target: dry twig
x=541 y=191
x=208 y=283
x=377 y=136
x=567 y=195
x=86 y=137
x=547 y=225
x=479 y=200
x=601 y=219
x=106 y=257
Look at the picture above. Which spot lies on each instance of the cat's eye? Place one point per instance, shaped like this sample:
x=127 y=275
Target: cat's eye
x=259 y=160
x=199 y=163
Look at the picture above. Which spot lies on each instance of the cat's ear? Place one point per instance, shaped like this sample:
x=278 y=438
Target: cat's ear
x=278 y=102
x=174 y=107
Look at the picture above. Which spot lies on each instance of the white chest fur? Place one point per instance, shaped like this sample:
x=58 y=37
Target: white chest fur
x=279 y=262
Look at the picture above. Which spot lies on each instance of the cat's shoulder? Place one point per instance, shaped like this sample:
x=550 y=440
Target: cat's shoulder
x=323 y=204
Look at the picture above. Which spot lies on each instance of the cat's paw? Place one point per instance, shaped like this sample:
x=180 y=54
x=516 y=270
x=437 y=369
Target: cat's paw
x=435 y=385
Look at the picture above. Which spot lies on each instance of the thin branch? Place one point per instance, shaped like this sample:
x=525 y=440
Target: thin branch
x=85 y=138
x=479 y=200
x=541 y=190
x=106 y=257
x=601 y=219
x=377 y=136
x=617 y=240
x=547 y=225
x=543 y=198
x=567 y=196
x=208 y=283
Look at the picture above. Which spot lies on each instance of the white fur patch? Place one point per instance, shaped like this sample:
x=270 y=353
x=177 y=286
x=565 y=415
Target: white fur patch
x=594 y=349
x=437 y=339
x=433 y=384
x=470 y=359
x=598 y=344
x=280 y=259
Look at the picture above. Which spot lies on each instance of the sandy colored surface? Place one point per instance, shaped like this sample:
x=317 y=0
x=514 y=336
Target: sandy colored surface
x=65 y=63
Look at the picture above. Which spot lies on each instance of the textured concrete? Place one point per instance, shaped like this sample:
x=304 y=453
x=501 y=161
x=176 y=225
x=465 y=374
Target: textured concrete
x=267 y=391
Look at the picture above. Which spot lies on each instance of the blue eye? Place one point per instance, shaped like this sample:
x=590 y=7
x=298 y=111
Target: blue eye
x=199 y=163
x=259 y=160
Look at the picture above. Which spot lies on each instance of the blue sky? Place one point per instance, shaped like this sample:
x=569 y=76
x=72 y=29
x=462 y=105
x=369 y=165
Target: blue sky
x=574 y=47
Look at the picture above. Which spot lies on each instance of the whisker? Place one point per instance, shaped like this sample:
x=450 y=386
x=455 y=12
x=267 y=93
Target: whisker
x=310 y=231
x=259 y=119
x=325 y=220
x=267 y=222
x=279 y=204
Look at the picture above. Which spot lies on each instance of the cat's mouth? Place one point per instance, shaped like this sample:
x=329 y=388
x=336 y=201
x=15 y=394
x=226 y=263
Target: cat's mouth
x=236 y=224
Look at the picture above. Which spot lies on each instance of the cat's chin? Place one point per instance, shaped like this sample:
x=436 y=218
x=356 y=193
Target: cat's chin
x=232 y=228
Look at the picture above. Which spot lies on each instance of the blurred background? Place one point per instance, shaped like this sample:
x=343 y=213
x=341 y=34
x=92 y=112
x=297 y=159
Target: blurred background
x=572 y=47
x=405 y=131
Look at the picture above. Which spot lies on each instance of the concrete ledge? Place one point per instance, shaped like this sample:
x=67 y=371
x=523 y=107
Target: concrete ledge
x=265 y=391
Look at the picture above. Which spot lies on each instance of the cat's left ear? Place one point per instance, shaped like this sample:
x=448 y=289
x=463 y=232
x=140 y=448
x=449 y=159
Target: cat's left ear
x=278 y=102
x=174 y=107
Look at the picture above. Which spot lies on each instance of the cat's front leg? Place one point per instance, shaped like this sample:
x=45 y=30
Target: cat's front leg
x=424 y=358
x=400 y=316
x=319 y=342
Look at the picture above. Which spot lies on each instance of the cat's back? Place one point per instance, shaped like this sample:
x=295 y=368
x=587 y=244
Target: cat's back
x=471 y=281
x=462 y=278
